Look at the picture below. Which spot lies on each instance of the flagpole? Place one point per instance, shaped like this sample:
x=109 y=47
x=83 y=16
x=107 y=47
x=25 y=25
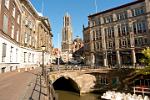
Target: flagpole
x=95 y=6
x=58 y=52
x=42 y=9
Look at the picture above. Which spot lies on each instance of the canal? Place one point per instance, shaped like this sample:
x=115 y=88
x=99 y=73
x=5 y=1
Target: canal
x=67 y=95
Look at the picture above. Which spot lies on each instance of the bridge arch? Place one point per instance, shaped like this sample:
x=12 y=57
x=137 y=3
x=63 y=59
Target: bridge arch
x=77 y=81
x=66 y=83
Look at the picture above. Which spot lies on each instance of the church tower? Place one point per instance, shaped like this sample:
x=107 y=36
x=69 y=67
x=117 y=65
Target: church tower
x=67 y=34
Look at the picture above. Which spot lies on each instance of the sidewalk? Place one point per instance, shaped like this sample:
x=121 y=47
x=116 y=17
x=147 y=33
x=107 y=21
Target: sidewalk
x=37 y=89
x=27 y=85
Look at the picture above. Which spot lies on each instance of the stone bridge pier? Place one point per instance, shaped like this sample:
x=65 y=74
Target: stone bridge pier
x=81 y=82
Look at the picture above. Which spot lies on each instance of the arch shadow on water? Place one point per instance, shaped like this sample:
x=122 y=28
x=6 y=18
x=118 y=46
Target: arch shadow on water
x=66 y=84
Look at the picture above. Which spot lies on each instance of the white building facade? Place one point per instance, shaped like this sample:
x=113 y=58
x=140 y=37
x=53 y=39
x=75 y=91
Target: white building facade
x=20 y=45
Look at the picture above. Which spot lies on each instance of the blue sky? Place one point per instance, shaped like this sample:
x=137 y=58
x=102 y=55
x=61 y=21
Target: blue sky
x=78 y=9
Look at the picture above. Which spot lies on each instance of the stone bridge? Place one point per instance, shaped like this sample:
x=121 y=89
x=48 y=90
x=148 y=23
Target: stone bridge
x=81 y=81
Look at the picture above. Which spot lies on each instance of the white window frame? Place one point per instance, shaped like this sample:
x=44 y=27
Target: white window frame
x=14 y=11
x=29 y=57
x=16 y=55
x=4 y=48
x=26 y=38
x=17 y=35
x=11 y=54
x=12 y=31
x=32 y=58
x=7 y=2
x=25 y=53
x=5 y=23
x=18 y=19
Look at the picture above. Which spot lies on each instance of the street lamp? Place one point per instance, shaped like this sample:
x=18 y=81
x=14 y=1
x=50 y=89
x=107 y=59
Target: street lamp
x=44 y=73
x=43 y=49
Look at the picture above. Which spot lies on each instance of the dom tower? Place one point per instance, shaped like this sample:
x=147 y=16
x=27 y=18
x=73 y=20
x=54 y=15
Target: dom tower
x=66 y=39
x=67 y=34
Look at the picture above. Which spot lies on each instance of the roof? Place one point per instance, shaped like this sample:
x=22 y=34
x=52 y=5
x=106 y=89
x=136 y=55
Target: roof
x=119 y=7
x=46 y=22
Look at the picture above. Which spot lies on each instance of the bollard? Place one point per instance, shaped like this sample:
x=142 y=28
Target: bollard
x=26 y=69
x=19 y=70
x=30 y=68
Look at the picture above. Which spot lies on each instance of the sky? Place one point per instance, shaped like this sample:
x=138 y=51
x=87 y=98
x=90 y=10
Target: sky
x=78 y=10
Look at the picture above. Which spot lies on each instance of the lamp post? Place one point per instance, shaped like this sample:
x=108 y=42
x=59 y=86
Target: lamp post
x=44 y=73
x=43 y=49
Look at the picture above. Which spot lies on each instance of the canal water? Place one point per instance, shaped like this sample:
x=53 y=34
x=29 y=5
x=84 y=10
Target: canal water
x=67 y=95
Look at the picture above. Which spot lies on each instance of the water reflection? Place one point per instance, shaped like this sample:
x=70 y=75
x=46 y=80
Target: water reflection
x=66 y=95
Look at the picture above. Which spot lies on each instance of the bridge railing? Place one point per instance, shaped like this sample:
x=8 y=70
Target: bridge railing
x=68 y=67
x=78 y=67
x=143 y=90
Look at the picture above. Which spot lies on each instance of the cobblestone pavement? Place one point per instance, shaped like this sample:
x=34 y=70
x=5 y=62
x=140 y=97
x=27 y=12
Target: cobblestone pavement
x=22 y=85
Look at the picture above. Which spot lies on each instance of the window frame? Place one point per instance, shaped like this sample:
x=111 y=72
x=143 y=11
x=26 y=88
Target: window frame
x=5 y=23
x=7 y=3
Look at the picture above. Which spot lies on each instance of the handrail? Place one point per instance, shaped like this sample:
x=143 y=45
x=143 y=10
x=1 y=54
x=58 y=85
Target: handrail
x=141 y=89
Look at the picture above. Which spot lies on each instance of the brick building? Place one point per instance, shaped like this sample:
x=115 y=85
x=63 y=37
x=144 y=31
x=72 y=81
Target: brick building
x=22 y=33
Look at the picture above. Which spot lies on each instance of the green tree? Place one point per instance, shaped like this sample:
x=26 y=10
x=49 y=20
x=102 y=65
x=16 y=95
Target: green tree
x=146 y=59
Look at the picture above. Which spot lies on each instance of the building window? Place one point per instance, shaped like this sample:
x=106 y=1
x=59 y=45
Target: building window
x=29 y=57
x=122 y=43
x=138 y=11
x=7 y=3
x=135 y=41
x=92 y=23
x=14 y=11
x=146 y=41
x=139 y=27
x=94 y=45
x=109 y=32
x=97 y=46
x=129 y=44
x=98 y=21
x=110 y=44
x=122 y=15
x=98 y=33
x=18 y=19
x=33 y=41
x=5 y=23
x=17 y=36
x=16 y=55
x=108 y=19
x=123 y=30
x=103 y=80
x=26 y=38
x=30 y=39
x=25 y=53
x=30 y=24
x=140 y=41
x=12 y=30
x=11 y=54
x=94 y=36
x=3 y=52
x=32 y=58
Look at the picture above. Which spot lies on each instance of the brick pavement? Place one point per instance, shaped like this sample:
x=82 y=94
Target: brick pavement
x=22 y=85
